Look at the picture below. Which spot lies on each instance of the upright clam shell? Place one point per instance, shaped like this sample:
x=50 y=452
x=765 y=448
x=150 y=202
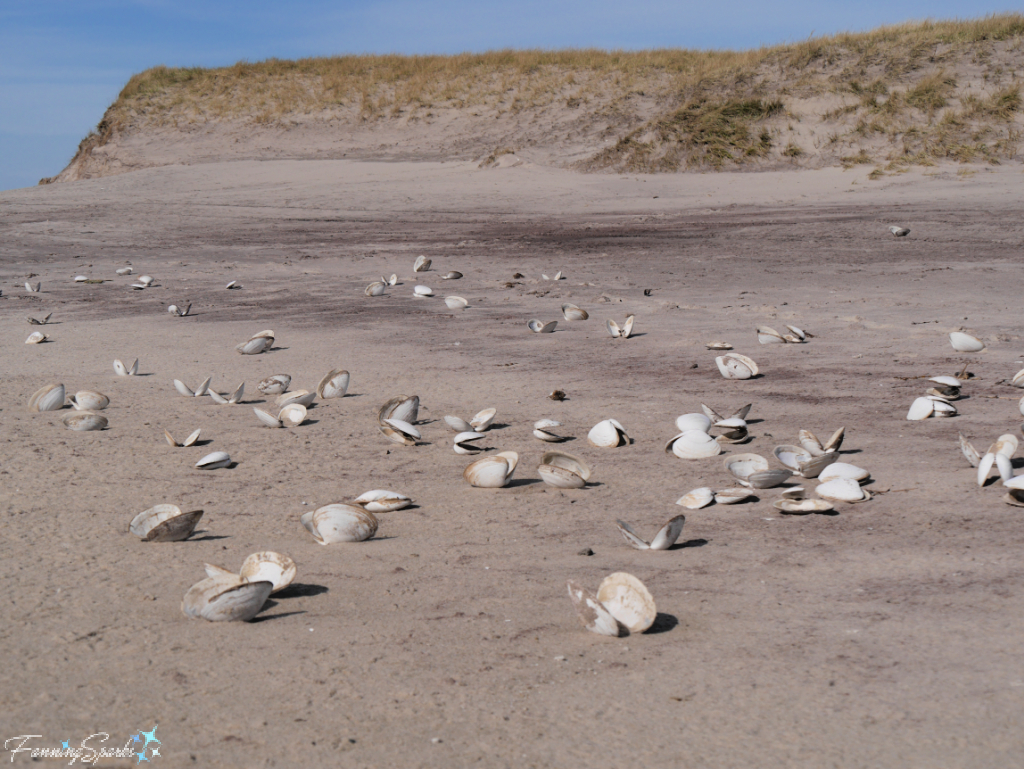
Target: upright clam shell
x=48 y=398
x=422 y=291
x=82 y=421
x=696 y=499
x=292 y=415
x=456 y=302
x=266 y=418
x=613 y=329
x=226 y=599
x=563 y=471
x=693 y=444
x=628 y=600
x=970 y=453
x=921 y=408
x=663 y=540
x=458 y=424
x=375 y=289
x=254 y=346
x=334 y=384
x=383 y=501
x=736 y=366
x=685 y=422
x=90 y=400
x=302 y=397
x=340 y=522
x=483 y=419
x=275 y=384
x=403 y=407
x=214 y=461
x=491 y=472
x=813 y=466
x=608 y=434
x=572 y=312
x=591 y=613
x=422 y=264
x=164 y=523
x=962 y=342
x=268 y=566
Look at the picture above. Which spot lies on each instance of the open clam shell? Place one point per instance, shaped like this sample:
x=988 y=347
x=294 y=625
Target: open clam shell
x=735 y=366
x=292 y=415
x=696 y=499
x=608 y=434
x=591 y=612
x=375 y=289
x=164 y=523
x=962 y=342
x=767 y=335
x=464 y=442
x=403 y=407
x=563 y=471
x=340 y=522
x=803 y=506
x=37 y=322
x=732 y=496
x=268 y=566
x=742 y=465
x=543 y=430
x=572 y=312
x=693 y=444
x=732 y=430
x=812 y=467
x=491 y=472
x=628 y=600
x=274 y=385
x=792 y=456
x=382 y=501
x=82 y=421
x=422 y=264
x=334 y=384
x=407 y=431
x=483 y=420
x=226 y=599
x=214 y=461
x=121 y=370
x=301 y=397
x=190 y=440
x=47 y=398
x=540 y=327
x=663 y=540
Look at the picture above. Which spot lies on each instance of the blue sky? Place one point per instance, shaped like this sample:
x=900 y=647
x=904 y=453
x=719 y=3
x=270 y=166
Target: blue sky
x=62 y=62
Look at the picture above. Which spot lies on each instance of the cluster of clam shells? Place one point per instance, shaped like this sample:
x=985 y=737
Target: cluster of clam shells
x=937 y=401
x=768 y=335
x=621 y=606
x=86 y=403
x=467 y=433
x=256 y=344
x=1000 y=455
x=694 y=439
x=225 y=596
x=396 y=419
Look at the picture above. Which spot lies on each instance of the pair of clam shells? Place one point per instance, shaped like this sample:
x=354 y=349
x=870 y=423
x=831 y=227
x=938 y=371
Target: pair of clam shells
x=292 y=415
x=946 y=387
x=493 y=472
x=164 y=523
x=768 y=335
x=803 y=462
x=37 y=322
x=381 y=501
x=608 y=434
x=396 y=417
x=622 y=603
x=540 y=327
x=704 y=496
x=543 y=430
x=89 y=400
x=261 y=342
x=752 y=471
x=563 y=471
x=188 y=392
x=558 y=276
x=340 y=522
x=33 y=288
x=264 y=566
x=794 y=502
x=735 y=366
x=962 y=342
x=36 y=337
x=177 y=311
x=999 y=454
x=625 y=331
x=231 y=398
x=189 y=441
x=930 y=406
x=122 y=370
x=571 y=312
x=693 y=441
x=479 y=423
x=663 y=540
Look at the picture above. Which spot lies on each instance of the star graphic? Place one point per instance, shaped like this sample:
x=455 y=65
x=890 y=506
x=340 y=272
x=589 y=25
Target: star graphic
x=66 y=745
x=150 y=737
x=156 y=752
x=141 y=758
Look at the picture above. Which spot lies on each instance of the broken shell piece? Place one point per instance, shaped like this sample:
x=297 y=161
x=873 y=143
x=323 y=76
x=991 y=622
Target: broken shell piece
x=491 y=472
x=736 y=366
x=767 y=335
x=422 y=264
x=542 y=430
x=48 y=398
x=292 y=415
x=572 y=312
x=608 y=434
x=422 y=291
x=803 y=506
x=693 y=444
x=340 y=522
x=36 y=337
x=843 y=470
x=456 y=303
x=334 y=384
x=970 y=453
x=899 y=232
x=464 y=442
x=374 y=289
x=43 y=322
x=628 y=600
x=483 y=420
x=81 y=421
x=89 y=400
x=274 y=385
x=842 y=490
x=302 y=397
x=663 y=540
x=452 y=275
x=225 y=599
x=718 y=346
x=697 y=498
x=591 y=613
x=121 y=370
x=214 y=461
x=563 y=471
x=382 y=501
x=268 y=566
x=542 y=328
x=732 y=496
x=185 y=443
x=164 y=523
x=965 y=342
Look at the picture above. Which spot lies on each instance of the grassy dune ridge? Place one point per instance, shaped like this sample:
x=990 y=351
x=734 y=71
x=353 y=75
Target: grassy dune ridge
x=894 y=97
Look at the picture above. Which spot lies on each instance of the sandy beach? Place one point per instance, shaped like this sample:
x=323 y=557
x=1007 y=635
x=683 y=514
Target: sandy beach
x=886 y=635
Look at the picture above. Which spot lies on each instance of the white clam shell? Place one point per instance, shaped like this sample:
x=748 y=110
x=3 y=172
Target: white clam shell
x=962 y=342
x=970 y=453
x=334 y=384
x=268 y=566
x=214 y=461
x=301 y=397
x=226 y=599
x=82 y=421
x=36 y=337
x=921 y=408
x=164 y=523
x=663 y=540
x=590 y=611
x=463 y=443
x=292 y=415
x=563 y=471
x=404 y=428
x=572 y=312
x=767 y=335
x=491 y=472
x=542 y=430
x=732 y=496
x=540 y=327
x=275 y=384
x=456 y=302
x=183 y=388
x=628 y=600
x=266 y=418
x=483 y=419
x=422 y=291
x=124 y=271
x=740 y=466
x=693 y=444
x=90 y=400
x=375 y=289
x=383 y=501
x=686 y=422
x=792 y=456
x=696 y=499
x=1005 y=444
x=190 y=440
x=146 y=280
x=803 y=506
x=422 y=264
x=48 y=398
x=841 y=490
x=458 y=424
x=1018 y=379
x=403 y=407
x=340 y=522
x=736 y=366
x=254 y=346
x=608 y=434
x=843 y=470
x=985 y=467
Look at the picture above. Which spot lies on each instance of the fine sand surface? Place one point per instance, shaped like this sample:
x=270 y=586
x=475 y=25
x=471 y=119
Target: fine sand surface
x=887 y=635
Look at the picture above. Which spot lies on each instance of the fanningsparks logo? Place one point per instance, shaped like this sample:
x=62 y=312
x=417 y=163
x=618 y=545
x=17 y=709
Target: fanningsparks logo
x=143 y=746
